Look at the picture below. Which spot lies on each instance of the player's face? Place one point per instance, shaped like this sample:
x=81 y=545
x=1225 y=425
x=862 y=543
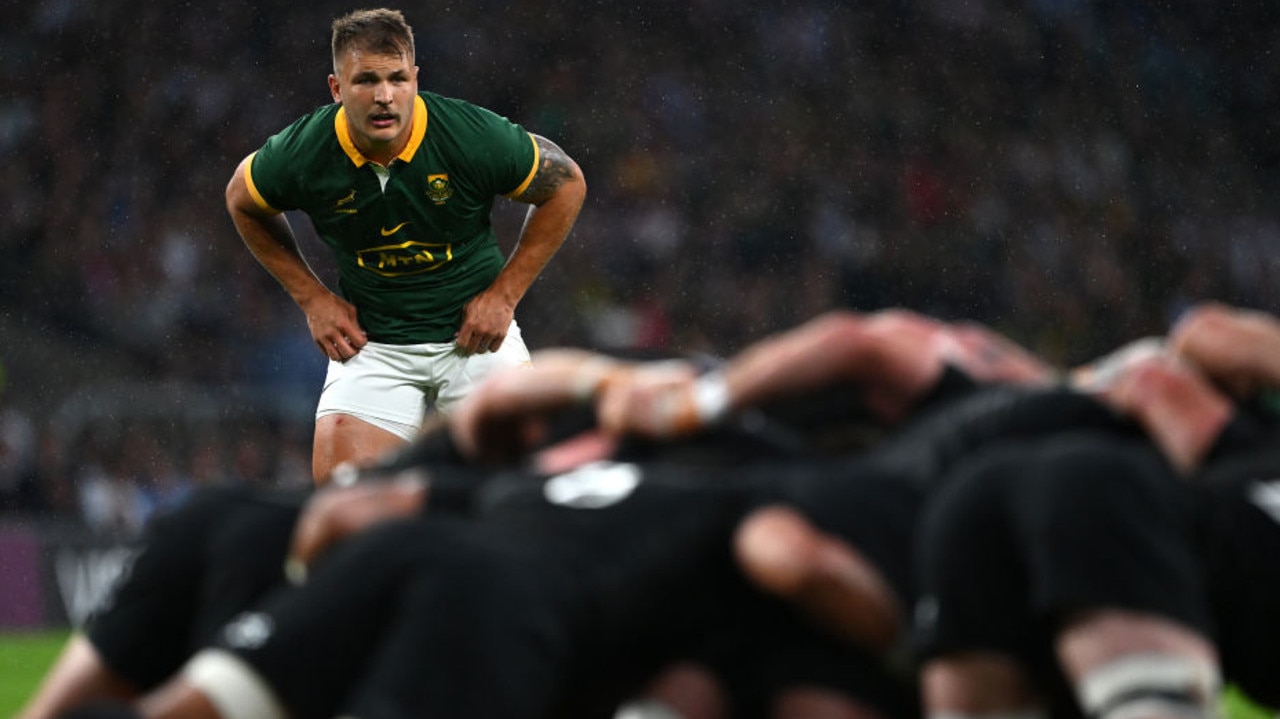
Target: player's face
x=377 y=92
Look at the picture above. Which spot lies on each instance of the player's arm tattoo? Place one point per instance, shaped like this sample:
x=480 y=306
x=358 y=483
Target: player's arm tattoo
x=554 y=169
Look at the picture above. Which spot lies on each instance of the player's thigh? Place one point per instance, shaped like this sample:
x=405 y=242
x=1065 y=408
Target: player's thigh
x=386 y=386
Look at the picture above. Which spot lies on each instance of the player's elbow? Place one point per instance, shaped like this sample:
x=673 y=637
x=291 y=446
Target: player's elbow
x=236 y=194
x=838 y=331
x=231 y=198
x=574 y=188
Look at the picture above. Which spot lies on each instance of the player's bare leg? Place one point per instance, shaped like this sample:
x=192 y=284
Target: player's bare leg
x=341 y=438
x=77 y=676
x=978 y=684
x=179 y=699
x=819 y=703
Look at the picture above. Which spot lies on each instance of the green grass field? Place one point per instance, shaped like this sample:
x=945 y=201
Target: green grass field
x=25 y=657
x=1236 y=706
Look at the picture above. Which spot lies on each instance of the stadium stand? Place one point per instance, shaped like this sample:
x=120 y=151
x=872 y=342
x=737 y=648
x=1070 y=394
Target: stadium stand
x=1072 y=173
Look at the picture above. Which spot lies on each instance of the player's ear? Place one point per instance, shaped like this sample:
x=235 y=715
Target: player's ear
x=334 y=87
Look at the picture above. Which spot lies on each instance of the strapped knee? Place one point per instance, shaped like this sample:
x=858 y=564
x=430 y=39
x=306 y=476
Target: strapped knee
x=1151 y=685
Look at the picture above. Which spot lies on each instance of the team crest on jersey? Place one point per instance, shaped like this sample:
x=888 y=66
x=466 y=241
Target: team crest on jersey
x=438 y=188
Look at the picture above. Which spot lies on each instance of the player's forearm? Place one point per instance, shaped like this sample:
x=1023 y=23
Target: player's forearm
x=545 y=230
x=785 y=364
x=832 y=349
x=665 y=400
x=273 y=245
x=556 y=191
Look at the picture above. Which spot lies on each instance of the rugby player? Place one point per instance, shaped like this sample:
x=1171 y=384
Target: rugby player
x=1092 y=574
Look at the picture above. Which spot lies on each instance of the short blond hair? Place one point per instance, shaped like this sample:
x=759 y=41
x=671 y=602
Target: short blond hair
x=379 y=30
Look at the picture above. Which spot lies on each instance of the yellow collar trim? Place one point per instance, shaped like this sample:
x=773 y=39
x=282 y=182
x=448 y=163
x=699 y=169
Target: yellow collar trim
x=415 y=137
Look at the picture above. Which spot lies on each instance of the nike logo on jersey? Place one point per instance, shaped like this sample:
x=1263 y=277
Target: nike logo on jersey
x=387 y=233
x=1267 y=496
x=338 y=206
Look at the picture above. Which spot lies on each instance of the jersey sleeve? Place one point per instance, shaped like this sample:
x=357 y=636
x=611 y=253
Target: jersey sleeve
x=269 y=175
x=504 y=155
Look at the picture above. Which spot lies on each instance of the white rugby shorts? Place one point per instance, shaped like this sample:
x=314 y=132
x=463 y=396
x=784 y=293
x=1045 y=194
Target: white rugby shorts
x=394 y=386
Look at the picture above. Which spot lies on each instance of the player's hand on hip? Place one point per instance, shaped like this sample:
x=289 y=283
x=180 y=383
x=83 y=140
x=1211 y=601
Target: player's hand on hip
x=333 y=325
x=485 y=320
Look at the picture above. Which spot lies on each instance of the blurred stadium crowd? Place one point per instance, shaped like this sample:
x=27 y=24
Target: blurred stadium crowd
x=1071 y=172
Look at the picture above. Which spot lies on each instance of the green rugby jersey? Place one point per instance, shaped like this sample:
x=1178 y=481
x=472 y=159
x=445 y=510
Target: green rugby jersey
x=413 y=252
